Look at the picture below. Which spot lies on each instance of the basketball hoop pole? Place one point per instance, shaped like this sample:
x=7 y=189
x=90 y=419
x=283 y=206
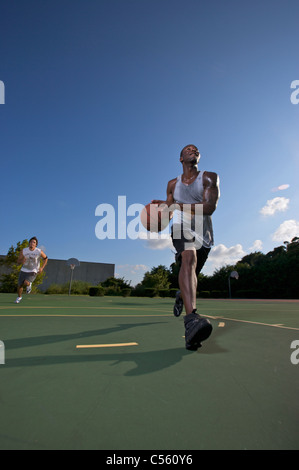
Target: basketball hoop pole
x=234 y=275
x=72 y=266
x=72 y=263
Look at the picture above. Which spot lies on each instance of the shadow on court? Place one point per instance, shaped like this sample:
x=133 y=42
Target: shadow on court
x=145 y=362
x=52 y=339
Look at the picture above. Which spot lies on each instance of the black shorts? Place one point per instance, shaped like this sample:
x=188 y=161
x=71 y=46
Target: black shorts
x=180 y=246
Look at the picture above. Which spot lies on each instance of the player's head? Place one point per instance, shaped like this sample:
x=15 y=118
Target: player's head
x=190 y=153
x=33 y=242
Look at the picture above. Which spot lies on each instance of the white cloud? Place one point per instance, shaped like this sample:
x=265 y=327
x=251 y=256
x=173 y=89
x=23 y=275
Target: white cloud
x=278 y=204
x=132 y=272
x=282 y=187
x=257 y=246
x=286 y=231
x=221 y=255
x=133 y=267
x=160 y=241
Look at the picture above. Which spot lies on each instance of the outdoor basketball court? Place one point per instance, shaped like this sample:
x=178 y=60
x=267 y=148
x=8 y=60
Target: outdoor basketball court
x=113 y=373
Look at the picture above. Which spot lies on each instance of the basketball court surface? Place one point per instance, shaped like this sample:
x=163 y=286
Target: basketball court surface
x=113 y=373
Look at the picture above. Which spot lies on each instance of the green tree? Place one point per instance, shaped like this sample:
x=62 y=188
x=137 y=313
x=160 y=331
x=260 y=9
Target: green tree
x=271 y=275
x=116 y=282
x=116 y=286
x=157 y=278
x=9 y=282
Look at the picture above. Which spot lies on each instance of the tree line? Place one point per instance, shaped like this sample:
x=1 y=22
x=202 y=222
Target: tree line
x=271 y=275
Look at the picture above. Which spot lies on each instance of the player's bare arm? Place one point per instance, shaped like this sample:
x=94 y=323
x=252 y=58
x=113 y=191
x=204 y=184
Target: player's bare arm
x=211 y=192
x=45 y=261
x=21 y=258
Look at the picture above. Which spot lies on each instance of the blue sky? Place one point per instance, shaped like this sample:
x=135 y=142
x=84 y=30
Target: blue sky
x=101 y=96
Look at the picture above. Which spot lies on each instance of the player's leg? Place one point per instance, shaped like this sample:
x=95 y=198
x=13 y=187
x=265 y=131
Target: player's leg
x=30 y=278
x=20 y=287
x=201 y=257
x=197 y=328
x=25 y=280
x=28 y=286
x=178 y=241
x=188 y=279
x=19 y=292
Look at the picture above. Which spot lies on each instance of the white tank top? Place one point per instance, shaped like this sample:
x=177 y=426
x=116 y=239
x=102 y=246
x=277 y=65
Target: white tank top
x=193 y=193
x=32 y=263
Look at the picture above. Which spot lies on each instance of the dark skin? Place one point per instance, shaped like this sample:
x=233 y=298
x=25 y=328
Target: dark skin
x=187 y=276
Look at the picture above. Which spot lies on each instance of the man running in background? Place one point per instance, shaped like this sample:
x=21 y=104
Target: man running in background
x=194 y=192
x=30 y=259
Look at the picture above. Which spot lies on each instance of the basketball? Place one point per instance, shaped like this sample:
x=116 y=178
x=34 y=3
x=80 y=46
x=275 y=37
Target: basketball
x=155 y=219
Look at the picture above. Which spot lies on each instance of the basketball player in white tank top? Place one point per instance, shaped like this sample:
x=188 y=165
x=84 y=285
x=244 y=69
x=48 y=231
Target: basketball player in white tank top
x=30 y=260
x=197 y=328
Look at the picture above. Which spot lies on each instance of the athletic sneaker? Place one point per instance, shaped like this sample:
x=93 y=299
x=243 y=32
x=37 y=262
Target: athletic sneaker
x=18 y=300
x=28 y=288
x=179 y=304
x=197 y=329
